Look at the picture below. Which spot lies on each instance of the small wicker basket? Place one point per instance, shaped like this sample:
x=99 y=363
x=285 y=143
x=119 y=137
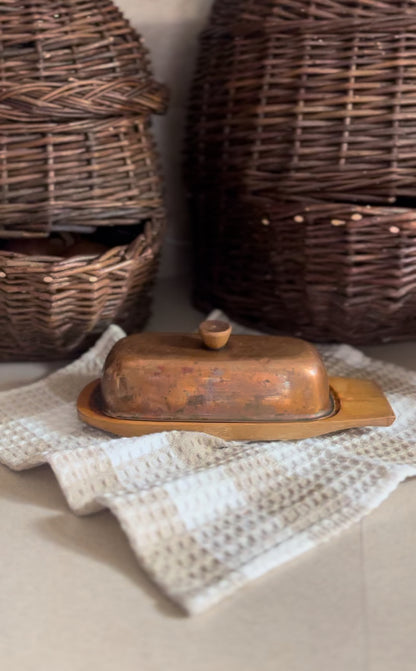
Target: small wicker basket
x=72 y=59
x=54 y=308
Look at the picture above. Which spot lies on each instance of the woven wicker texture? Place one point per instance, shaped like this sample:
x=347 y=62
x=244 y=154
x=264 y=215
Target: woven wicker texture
x=326 y=272
x=228 y=11
x=88 y=173
x=76 y=155
x=71 y=59
x=53 y=308
x=301 y=105
x=305 y=110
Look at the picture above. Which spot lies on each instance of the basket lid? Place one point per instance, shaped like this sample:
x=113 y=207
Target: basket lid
x=248 y=378
x=71 y=59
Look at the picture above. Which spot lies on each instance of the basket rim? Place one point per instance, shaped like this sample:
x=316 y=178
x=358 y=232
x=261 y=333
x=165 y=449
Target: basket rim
x=66 y=125
x=13 y=261
x=339 y=26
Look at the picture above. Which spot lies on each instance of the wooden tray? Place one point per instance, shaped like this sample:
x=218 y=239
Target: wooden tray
x=357 y=403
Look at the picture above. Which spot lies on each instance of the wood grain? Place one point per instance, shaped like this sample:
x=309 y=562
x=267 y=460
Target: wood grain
x=359 y=403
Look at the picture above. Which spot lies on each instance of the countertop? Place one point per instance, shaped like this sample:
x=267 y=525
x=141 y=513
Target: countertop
x=73 y=597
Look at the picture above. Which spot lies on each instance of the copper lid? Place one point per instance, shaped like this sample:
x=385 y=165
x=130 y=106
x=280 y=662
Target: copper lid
x=175 y=376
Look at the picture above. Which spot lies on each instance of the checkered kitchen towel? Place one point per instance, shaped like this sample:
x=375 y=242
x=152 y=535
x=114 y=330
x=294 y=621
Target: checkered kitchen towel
x=205 y=516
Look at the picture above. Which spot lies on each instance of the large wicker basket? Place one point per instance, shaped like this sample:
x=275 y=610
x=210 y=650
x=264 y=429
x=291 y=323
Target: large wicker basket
x=72 y=59
x=293 y=103
x=54 y=308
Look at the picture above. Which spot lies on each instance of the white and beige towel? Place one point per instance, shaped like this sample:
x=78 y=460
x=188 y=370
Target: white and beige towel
x=205 y=516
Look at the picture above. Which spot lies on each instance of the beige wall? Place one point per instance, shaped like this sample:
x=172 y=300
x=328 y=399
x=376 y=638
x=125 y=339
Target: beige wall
x=170 y=29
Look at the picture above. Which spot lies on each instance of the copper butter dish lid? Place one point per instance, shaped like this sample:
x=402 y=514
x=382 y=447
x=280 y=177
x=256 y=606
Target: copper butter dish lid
x=241 y=387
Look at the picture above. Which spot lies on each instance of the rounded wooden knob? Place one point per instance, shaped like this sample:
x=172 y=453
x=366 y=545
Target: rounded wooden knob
x=215 y=333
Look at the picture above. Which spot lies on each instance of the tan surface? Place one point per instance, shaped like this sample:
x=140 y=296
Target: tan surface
x=73 y=598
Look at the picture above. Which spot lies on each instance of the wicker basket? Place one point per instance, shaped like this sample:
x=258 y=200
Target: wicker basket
x=72 y=59
x=323 y=271
x=76 y=155
x=54 y=308
x=301 y=164
x=60 y=176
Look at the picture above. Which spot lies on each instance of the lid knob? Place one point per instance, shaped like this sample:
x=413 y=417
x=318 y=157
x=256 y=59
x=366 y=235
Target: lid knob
x=215 y=333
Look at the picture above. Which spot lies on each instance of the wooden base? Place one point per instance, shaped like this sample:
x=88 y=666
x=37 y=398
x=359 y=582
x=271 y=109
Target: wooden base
x=358 y=403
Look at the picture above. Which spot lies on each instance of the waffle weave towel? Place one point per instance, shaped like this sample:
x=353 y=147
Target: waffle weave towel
x=204 y=516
